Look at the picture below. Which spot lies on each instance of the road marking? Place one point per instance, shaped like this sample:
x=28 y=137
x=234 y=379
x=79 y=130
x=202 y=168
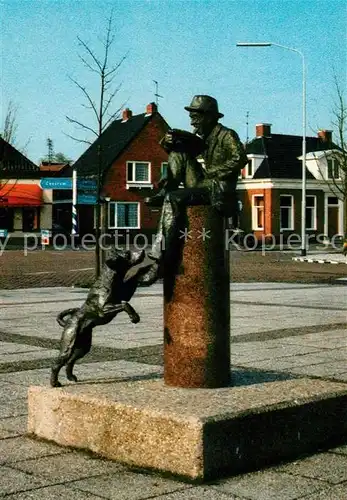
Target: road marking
x=41 y=272
x=82 y=269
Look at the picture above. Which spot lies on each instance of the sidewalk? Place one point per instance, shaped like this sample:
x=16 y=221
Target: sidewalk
x=278 y=331
x=323 y=257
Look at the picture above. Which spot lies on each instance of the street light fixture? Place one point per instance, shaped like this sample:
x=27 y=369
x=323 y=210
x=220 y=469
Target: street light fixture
x=303 y=201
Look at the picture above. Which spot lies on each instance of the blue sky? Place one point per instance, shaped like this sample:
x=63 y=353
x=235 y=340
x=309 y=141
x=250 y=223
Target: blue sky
x=188 y=46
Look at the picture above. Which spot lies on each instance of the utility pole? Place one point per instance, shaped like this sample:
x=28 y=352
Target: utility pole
x=50 y=150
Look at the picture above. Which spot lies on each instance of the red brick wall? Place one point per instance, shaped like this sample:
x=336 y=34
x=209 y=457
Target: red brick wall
x=246 y=218
x=145 y=147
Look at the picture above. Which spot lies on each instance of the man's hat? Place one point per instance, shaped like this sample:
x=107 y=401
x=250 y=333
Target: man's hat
x=204 y=104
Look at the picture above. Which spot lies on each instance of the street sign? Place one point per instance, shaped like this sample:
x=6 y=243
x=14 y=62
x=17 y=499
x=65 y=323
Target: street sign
x=86 y=199
x=82 y=199
x=3 y=233
x=45 y=235
x=66 y=183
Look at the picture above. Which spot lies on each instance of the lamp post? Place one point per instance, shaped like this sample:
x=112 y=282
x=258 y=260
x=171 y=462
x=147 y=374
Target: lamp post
x=303 y=200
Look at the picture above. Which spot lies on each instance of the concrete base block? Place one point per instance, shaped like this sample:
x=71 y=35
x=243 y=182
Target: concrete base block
x=195 y=433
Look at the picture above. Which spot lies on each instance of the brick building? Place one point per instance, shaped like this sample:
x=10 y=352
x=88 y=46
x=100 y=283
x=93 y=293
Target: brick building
x=270 y=187
x=132 y=162
x=24 y=206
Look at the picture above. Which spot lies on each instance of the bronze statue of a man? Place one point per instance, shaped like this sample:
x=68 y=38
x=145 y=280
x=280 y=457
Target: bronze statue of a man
x=208 y=165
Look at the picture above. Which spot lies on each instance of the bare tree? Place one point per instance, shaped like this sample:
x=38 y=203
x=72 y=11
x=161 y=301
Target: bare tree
x=8 y=133
x=340 y=156
x=101 y=108
x=10 y=125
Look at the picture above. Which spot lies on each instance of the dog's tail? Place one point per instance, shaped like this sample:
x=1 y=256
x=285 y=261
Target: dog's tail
x=67 y=312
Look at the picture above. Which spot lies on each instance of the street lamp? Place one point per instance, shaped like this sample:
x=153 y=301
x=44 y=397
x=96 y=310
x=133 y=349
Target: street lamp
x=303 y=201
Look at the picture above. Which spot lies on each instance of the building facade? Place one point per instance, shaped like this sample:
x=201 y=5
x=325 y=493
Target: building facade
x=270 y=188
x=25 y=208
x=131 y=163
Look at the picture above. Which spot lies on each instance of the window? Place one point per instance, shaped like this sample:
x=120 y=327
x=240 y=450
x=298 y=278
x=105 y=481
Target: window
x=333 y=169
x=311 y=212
x=258 y=212
x=6 y=218
x=123 y=215
x=249 y=168
x=31 y=219
x=138 y=172
x=333 y=201
x=163 y=170
x=286 y=212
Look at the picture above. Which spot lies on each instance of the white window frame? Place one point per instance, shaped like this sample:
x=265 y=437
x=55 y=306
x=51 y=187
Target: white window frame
x=334 y=165
x=249 y=166
x=255 y=210
x=291 y=208
x=114 y=224
x=135 y=183
x=314 y=209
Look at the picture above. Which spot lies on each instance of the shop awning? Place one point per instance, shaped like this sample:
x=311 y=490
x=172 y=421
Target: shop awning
x=20 y=195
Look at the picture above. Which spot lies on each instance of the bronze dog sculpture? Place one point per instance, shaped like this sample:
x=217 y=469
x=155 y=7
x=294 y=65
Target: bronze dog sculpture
x=109 y=295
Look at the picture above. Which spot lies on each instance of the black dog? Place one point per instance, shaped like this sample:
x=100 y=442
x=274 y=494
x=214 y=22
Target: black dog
x=108 y=296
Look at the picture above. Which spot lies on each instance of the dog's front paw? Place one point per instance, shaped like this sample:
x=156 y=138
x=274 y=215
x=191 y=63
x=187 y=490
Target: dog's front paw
x=135 y=318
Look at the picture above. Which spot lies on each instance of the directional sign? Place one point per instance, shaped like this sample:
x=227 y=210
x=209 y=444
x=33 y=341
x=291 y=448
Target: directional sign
x=87 y=184
x=66 y=183
x=86 y=199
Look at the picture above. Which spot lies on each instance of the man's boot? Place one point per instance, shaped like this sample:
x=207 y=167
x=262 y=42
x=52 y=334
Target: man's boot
x=152 y=275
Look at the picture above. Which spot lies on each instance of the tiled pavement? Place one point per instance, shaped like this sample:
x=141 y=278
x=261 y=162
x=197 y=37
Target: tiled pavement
x=278 y=330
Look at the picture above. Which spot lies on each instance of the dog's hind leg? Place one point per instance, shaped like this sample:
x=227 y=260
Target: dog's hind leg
x=56 y=367
x=67 y=345
x=79 y=352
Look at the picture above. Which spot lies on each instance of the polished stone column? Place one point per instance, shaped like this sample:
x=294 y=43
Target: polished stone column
x=197 y=306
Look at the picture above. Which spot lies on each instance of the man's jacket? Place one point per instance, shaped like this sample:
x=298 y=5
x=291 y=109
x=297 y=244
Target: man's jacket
x=224 y=158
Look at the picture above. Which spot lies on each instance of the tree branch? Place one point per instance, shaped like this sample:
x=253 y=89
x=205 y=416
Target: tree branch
x=80 y=124
x=77 y=139
x=87 y=96
x=90 y=52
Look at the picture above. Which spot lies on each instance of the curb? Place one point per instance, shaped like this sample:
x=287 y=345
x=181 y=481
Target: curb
x=317 y=260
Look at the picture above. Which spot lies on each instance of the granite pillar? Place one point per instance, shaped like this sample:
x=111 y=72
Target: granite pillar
x=197 y=305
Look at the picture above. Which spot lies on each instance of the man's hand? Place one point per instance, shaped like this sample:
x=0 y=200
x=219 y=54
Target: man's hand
x=167 y=142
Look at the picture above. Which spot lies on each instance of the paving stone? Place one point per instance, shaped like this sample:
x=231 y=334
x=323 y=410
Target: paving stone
x=338 y=492
x=199 y=493
x=28 y=356
x=126 y=485
x=12 y=391
x=53 y=493
x=328 y=467
x=327 y=369
x=67 y=467
x=23 y=448
x=12 y=481
x=86 y=372
x=12 y=347
x=268 y=485
x=14 y=425
x=340 y=449
x=13 y=407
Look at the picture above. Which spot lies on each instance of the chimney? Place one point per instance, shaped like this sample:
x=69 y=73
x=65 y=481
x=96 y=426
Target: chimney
x=127 y=113
x=151 y=108
x=325 y=135
x=263 y=130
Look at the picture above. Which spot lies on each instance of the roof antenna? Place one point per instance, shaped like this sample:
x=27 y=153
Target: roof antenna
x=156 y=93
x=247 y=137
